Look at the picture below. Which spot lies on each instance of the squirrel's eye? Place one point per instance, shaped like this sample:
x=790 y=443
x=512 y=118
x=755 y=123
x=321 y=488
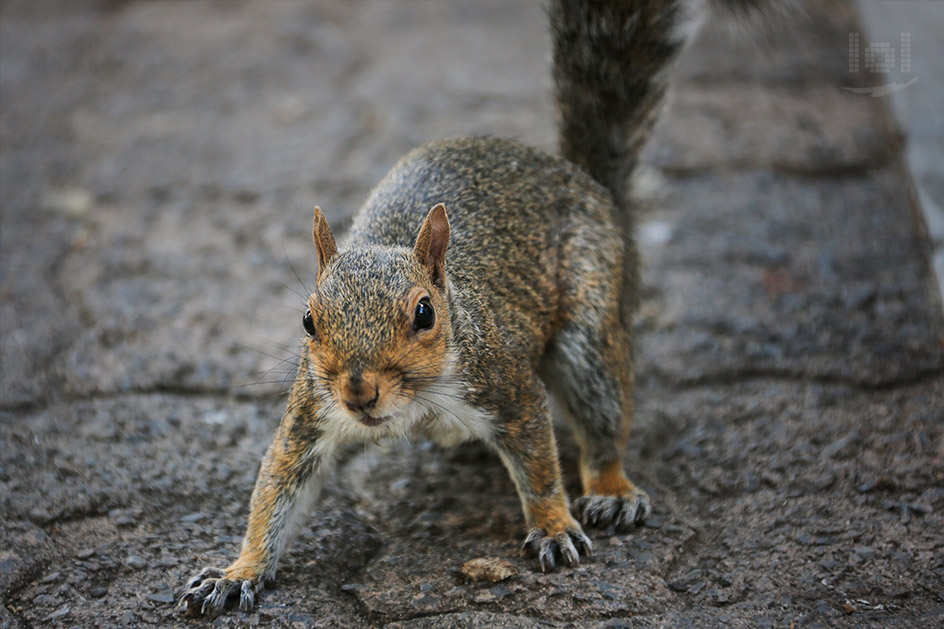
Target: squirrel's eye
x=424 y=316
x=308 y=323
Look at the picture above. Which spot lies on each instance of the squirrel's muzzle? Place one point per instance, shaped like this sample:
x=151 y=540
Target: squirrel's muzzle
x=360 y=393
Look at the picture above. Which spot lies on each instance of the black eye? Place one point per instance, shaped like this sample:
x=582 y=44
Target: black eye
x=424 y=316
x=309 y=324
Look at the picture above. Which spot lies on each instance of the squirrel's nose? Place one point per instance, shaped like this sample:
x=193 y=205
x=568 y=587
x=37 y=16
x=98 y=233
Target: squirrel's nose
x=361 y=405
x=359 y=396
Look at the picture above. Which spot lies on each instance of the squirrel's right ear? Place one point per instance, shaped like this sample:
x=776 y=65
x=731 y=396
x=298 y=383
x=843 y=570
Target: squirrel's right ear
x=324 y=241
x=431 y=244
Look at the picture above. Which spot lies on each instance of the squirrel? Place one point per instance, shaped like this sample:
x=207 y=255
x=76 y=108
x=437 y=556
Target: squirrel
x=480 y=277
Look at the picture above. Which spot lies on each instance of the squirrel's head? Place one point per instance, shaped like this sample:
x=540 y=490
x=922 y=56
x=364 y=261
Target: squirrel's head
x=378 y=324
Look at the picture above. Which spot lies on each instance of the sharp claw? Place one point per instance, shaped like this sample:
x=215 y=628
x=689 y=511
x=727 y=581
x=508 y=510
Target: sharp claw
x=204 y=590
x=207 y=594
x=567 y=550
x=611 y=510
x=203 y=575
x=220 y=593
x=548 y=549
x=532 y=542
x=562 y=548
x=247 y=596
x=581 y=541
x=625 y=519
x=212 y=604
x=646 y=511
x=614 y=513
x=639 y=513
x=585 y=514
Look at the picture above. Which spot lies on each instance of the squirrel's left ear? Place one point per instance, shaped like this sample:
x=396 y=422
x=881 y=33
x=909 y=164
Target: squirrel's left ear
x=431 y=244
x=324 y=241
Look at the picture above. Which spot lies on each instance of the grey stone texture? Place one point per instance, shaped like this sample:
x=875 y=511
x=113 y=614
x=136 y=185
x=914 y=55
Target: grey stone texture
x=158 y=168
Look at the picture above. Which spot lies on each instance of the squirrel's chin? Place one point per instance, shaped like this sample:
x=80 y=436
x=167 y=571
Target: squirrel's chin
x=369 y=420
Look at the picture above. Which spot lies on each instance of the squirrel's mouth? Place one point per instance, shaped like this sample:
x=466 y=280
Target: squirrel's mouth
x=370 y=420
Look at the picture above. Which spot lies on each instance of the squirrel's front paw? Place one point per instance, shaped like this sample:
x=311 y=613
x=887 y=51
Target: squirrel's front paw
x=617 y=513
x=206 y=593
x=567 y=545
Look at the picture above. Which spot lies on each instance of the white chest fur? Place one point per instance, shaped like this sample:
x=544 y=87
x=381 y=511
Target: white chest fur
x=449 y=419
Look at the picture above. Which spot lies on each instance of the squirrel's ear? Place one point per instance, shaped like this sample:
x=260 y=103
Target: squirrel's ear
x=324 y=241
x=431 y=244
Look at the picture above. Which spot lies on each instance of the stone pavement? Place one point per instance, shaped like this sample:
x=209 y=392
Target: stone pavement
x=159 y=165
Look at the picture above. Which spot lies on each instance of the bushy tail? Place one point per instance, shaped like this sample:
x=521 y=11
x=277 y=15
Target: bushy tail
x=612 y=61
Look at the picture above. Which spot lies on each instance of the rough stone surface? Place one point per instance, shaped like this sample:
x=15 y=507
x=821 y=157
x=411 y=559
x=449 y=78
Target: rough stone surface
x=159 y=164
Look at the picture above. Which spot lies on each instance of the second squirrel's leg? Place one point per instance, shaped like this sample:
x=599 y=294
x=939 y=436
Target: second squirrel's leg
x=527 y=448
x=594 y=378
x=590 y=370
x=289 y=481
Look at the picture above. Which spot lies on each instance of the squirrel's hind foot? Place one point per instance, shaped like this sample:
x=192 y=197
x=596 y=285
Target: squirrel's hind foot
x=566 y=546
x=206 y=594
x=614 y=513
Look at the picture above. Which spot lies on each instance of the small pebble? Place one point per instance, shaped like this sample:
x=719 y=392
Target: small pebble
x=488 y=569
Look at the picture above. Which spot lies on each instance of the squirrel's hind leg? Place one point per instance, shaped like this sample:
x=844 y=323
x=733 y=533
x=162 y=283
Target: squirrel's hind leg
x=589 y=367
x=593 y=379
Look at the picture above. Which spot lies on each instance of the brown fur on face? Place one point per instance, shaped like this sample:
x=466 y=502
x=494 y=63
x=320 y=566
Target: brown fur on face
x=380 y=369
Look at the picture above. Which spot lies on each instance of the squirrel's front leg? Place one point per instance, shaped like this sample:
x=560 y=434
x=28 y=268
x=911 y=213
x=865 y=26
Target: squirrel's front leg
x=289 y=482
x=527 y=447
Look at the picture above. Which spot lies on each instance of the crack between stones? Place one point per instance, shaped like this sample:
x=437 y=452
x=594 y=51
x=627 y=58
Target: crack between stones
x=173 y=390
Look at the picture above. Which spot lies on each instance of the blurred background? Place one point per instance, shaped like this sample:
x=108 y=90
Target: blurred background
x=159 y=162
